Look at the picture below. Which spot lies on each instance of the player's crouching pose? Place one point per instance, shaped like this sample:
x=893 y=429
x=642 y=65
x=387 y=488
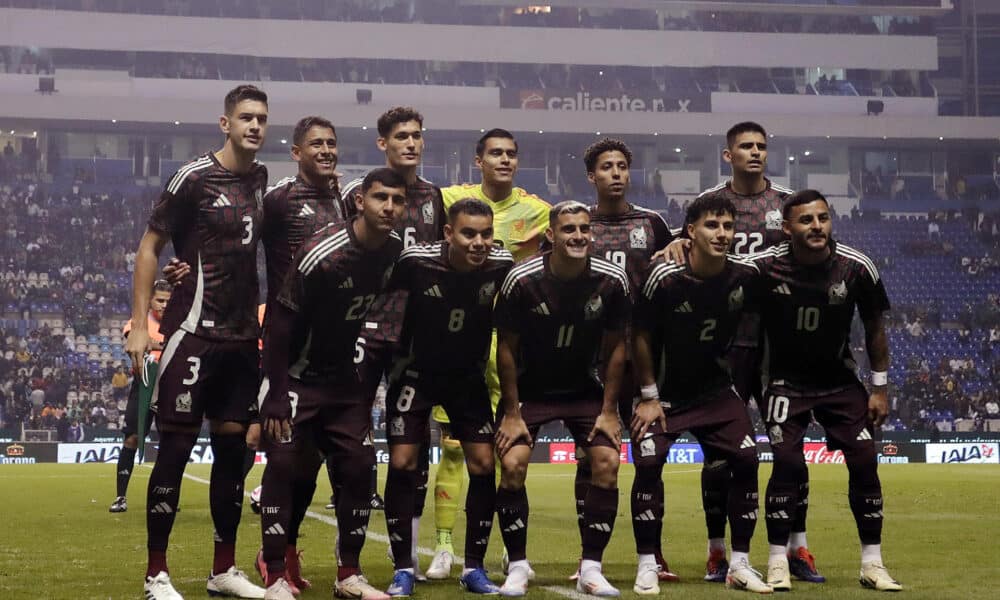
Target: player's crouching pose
x=694 y=309
x=811 y=286
x=451 y=287
x=556 y=314
x=311 y=396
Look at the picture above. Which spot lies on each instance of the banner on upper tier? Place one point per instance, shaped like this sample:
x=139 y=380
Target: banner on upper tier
x=634 y=101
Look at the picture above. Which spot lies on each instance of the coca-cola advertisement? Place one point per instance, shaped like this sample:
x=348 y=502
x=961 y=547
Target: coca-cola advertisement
x=817 y=453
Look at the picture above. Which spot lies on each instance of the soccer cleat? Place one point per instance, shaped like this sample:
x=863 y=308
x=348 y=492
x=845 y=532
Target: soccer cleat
x=742 y=576
x=233 y=583
x=358 y=587
x=716 y=566
x=875 y=576
x=279 y=590
x=802 y=566
x=440 y=565
x=647 y=580
x=377 y=503
x=665 y=574
x=516 y=583
x=777 y=574
x=592 y=582
x=505 y=562
x=293 y=568
x=160 y=588
x=476 y=582
x=402 y=584
x=119 y=505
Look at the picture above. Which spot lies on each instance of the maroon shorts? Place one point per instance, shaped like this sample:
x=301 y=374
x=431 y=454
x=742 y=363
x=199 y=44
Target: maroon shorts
x=842 y=413
x=718 y=420
x=200 y=378
x=463 y=396
x=578 y=412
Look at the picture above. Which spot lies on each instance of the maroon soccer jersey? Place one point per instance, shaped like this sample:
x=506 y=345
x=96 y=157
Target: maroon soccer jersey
x=629 y=240
x=449 y=314
x=332 y=284
x=561 y=323
x=806 y=313
x=293 y=212
x=213 y=217
x=758 y=216
x=694 y=321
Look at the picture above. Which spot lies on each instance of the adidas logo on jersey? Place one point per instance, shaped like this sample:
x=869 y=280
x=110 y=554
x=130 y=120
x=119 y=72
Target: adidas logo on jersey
x=347 y=284
x=275 y=529
x=306 y=211
x=684 y=308
x=434 y=292
x=747 y=443
x=222 y=201
x=541 y=309
x=783 y=290
x=864 y=436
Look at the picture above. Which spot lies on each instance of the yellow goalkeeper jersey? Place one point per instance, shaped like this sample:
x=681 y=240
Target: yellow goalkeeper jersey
x=519 y=220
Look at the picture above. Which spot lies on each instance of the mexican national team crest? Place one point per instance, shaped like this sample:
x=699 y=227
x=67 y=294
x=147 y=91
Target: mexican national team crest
x=396 y=427
x=183 y=403
x=647 y=447
x=772 y=220
x=736 y=299
x=637 y=238
x=838 y=293
x=486 y=292
x=428 y=213
x=594 y=308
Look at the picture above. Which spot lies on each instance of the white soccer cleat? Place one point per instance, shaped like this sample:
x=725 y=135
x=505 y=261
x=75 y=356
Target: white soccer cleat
x=505 y=562
x=592 y=582
x=440 y=565
x=647 y=580
x=160 y=588
x=778 y=576
x=358 y=587
x=233 y=583
x=875 y=576
x=742 y=576
x=279 y=590
x=516 y=583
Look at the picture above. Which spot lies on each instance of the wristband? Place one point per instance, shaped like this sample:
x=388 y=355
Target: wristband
x=880 y=378
x=649 y=392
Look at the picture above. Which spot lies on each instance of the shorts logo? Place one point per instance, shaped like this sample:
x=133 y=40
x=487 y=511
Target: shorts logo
x=428 y=213
x=397 y=428
x=736 y=299
x=486 y=292
x=647 y=447
x=594 y=308
x=772 y=220
x=775 y=434
x=838 y=293
x=637 y=238
x=183 y=403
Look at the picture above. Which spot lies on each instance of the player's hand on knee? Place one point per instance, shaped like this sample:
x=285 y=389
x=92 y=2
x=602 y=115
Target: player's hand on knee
x=279 y=430
x=510 y=431
x=608 y=424
x=646 y=414
x=878 y=407
x=175 y=271
x=674 y=252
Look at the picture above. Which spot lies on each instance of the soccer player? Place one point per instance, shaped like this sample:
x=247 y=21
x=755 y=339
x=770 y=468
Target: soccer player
x=519 y=221
x=451 y=287
x=557 y=314
x=310 y=400
x=211 y=211
x=628 y=236
x=811 y=287
x=294 y=209
x=400 y=136
x=136 y=423
x=758 y=226
x=693 y=310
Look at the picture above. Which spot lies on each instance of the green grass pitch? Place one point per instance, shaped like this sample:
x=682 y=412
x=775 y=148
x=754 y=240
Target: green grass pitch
x=58 y=541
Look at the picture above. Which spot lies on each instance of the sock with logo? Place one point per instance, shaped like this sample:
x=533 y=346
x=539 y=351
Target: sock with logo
x=512 y=516
x=647 y=508
x=225 y=495
x=581 y=485
x=599 y=511
x=353 y=503
x=276 y=499
x=400 y=486
x=163 y=495
x=126 y=462
x=479 y=508
x=798 y=537
x=743 y=498
x=448 y=484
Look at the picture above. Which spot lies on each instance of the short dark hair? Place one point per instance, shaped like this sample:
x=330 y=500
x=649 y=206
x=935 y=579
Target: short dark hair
x=605 y=145
x=307 y=123
x=383 y=175
x=712 y=204
x=496 y=132
x=469 y=206
x=397 y=114
x=798 y=198
x=243 y=92
x=162 y=285
x=566 y=207
x=743 y=127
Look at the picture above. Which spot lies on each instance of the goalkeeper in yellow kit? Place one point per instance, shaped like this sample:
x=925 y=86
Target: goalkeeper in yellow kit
x=519 y=222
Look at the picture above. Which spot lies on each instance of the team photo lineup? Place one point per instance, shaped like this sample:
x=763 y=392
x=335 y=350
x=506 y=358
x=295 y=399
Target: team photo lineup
x=490 y=312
